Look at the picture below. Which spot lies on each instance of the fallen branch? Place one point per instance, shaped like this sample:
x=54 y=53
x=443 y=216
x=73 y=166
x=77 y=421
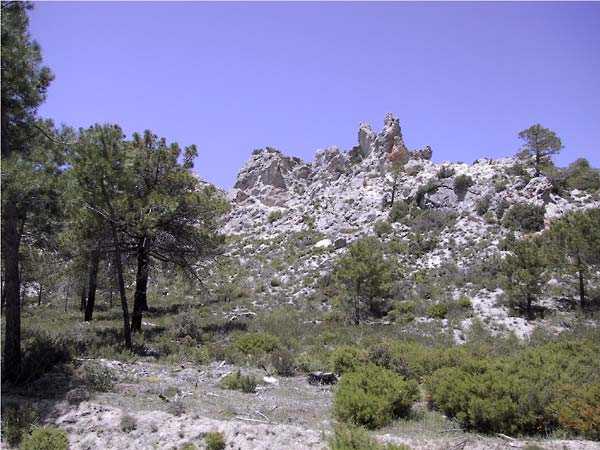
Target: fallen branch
x=250 y=420
x=262 y=415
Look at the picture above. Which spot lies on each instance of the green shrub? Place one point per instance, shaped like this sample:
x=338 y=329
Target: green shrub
x=464 y=302
x=524 y=217
x=483 y=204
x=445 y=172
x=97 y=377
x=533 y=447
x=239 y=382
x=580 y=175
x=186 y=324
x=372 y=396
x=256 y=343
x=176 y=407
x=403 y=312
x=128 y=423
x=438 y=311
x=274 y=216
x=283 y=362
x=17 y=420
x=347 y=358
x=189 y=446
x=501 y=208
x=398 y=212
x=41 y=355
x=462 y=183
x=201 y=355
x=578 y=409
x=515 y=394
x=382 y=228
x=357 y=438
x=214 y=440
x=429 y=187
x=46 y=439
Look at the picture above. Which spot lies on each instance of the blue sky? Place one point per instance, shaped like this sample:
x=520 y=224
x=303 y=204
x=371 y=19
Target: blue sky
x=464 y=78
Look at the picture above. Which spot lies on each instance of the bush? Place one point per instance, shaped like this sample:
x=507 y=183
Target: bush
x=256 y=343
x=372 y=396
x=237 y=381
x=464 y=302
x=382 y=228
x=46 y=439
x=283 y=362
x=97 y=377
x=274 y=216
x=398 y=212
x=42 y=354
x=445 y=172
x=462 y=183
x=214 y=440
x=517 y=394
x=357 y=438
x=501 y=208
x=580 y=175
x=17 y=420
x=483 y=204
x=403 y=312
x=438 y=311
x=176 y=407
x=578 y=409
x=187 y=325
x=128 y=423
x=429 y=187
x=201 y=355
x=347 y=358
x=524 y=217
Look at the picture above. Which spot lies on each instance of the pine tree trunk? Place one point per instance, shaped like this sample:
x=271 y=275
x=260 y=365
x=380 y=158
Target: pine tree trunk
x=40 y=292
x=140 y=301
x=357 y=305
x=92 y=286
x=394 y=187
x=83 y=293
x=581 y=289
x=67 y=297
x=529 y=309
x=11 y=240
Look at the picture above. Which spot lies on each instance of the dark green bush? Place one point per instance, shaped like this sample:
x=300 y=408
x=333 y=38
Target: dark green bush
x=524 y=217
x=483 y=204
x=580 y=175
x=398 y=212
x=427 y=188
x=445 y=172
x=186 y=324
x=17 y=420
x=46 y=439
x=464 y=302
x=274 y=216
x=462 y=183
x=372 y=396
x=214 y=441
x=357 y=438
x=347 y=358
x=514 y=394
x=97 y=377
x=283 y=362
x=256 y=343
x=239 y=382
x=501 y=209
x=382 y=228
x=41 y=355
x=438 y=311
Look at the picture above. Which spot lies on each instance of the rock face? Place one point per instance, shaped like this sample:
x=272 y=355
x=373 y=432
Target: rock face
x=339 y=189
x=348 y=191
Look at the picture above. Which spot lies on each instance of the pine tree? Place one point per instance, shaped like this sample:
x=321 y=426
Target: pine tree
x=363 y=271
x=524 y=274
x=574 y=242
x=540 y=143
x=30 y=161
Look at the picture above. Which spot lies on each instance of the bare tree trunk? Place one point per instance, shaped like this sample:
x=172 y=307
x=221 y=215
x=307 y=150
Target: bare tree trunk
x=40 y=291
x=11 y=239
x=357 y=305
x=67 y=297
x=581 y=289
x=92 y=285
x=140 y=301
x=529 y=309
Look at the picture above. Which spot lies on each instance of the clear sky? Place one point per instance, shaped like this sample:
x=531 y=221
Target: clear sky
x=464 y=78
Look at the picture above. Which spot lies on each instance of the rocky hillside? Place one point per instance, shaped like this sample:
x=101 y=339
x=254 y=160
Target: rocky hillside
x=291 y=220
x=352 y=189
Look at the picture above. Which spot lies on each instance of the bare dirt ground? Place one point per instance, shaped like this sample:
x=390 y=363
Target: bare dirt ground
x=174 y=406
